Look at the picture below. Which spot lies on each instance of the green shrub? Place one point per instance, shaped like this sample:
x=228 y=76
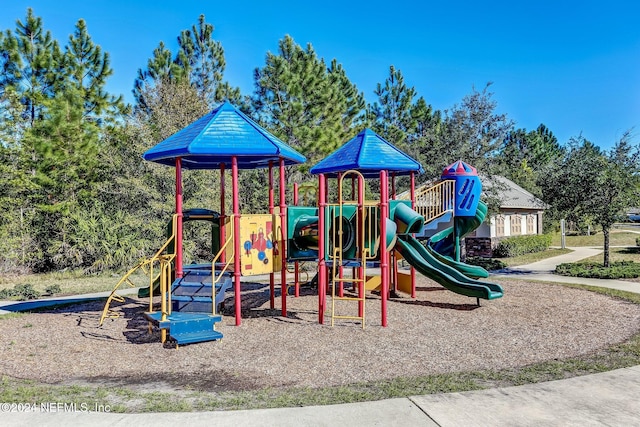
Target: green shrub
x=23 y=292
x=617 y=270
x=486 y=263
x=520 y=245
x=6 y=293
x=26 y=291
x=53 y=289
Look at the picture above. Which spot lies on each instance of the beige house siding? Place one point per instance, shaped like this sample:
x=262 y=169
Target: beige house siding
x=514 y=223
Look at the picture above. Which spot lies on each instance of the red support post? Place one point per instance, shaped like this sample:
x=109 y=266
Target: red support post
x=393 y=258
x=340 y=269
x=296 y=264
x=178 y=230
x=236 y=240
x=354 y=270
x=283 y=236
x=360 y=244
x=272 y=282
x=223 y=236
x=413 y=206
x=393 y=185
x=322 y=266
x=384 y=255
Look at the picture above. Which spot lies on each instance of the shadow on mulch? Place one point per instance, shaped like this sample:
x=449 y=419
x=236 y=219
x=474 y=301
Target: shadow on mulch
x=443 y=305
x=429 y=288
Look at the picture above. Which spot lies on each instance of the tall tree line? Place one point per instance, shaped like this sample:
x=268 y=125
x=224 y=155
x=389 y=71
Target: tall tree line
x=54 y=113
x=75 y=193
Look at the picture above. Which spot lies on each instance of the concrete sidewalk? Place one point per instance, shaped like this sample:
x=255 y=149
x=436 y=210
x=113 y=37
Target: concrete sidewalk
x=605 y=399
x=543 y=271
x=16 y=306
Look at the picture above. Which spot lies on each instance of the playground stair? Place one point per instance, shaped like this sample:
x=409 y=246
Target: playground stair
x=435 y=203
x=193 y=292
x=188 y=328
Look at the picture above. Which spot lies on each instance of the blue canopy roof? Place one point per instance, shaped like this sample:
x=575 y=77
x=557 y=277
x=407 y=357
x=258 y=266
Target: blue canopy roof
x=218 y=136
x=368 y=153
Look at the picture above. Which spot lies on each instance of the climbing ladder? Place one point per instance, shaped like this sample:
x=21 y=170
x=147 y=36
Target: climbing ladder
x=359 y=275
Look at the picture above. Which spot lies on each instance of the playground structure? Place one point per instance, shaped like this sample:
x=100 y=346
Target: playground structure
x=343 y=231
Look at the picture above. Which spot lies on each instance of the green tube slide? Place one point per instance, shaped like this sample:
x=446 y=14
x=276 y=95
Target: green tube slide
x=410 y=221
x=473 y=271
x=443 y=242
x=449 y=277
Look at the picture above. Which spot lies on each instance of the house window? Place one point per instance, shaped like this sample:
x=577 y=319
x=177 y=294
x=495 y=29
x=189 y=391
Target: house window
x=516 y=225
x=531 y=224
x=499 y=226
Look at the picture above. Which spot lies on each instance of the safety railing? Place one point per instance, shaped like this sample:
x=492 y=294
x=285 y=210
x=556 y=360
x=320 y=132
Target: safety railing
x=433 y=202
x=225 y=268
x=147 y=266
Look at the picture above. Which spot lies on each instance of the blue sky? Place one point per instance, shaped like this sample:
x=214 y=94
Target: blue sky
x=572 y=65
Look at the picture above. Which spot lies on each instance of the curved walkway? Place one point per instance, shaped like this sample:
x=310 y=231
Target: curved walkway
x=609 y=398
x=543 y=271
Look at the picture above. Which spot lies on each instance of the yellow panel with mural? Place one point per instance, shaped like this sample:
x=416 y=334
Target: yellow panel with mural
x=260 y=245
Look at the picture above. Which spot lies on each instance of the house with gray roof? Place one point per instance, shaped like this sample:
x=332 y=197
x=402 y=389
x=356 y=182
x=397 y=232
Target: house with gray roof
x=520 y=213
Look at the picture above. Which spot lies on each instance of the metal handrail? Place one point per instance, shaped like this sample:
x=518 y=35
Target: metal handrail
x=214 y=279
x=435 y=201
x=157 y=257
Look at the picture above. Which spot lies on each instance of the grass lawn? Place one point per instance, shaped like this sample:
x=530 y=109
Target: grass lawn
x=617 y=254
x=617 y=237
x=70 y=283
x=530 y=258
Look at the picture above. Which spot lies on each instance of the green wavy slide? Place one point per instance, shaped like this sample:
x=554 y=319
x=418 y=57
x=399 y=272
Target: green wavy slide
x=447 y=275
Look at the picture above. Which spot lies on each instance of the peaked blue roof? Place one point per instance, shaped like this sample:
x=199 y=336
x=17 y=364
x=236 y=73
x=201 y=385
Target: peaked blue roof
x=368 y=153
x=218 y=136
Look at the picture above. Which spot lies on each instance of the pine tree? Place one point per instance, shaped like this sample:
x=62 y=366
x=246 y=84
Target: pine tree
x=66 y=169
x=160 y=67
x=87 y=67
x=53 y=105
x=203 y=59
x=526 y=157
x=31 y=62
x=411 y=125
x=199 y=61
x=313 y=108
x=393 y=112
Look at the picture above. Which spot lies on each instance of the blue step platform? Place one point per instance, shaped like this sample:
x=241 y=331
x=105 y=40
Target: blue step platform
x=188 y=328
x=193 y=292
x=192 y=298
